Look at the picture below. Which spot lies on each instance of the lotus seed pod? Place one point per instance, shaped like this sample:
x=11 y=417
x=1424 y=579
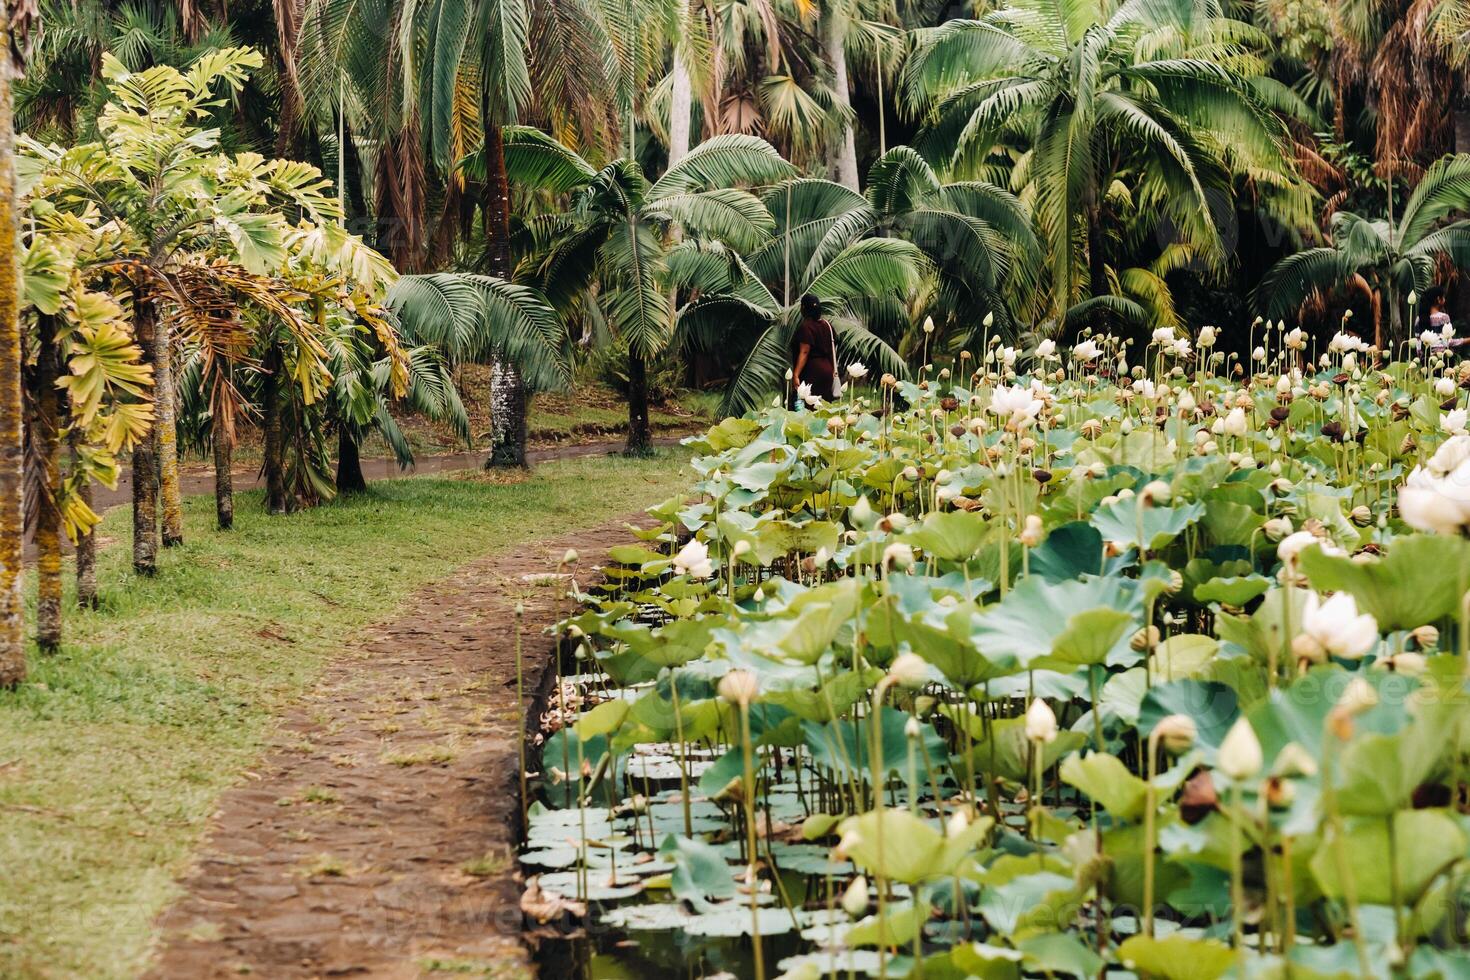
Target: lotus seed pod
x=1145 y=639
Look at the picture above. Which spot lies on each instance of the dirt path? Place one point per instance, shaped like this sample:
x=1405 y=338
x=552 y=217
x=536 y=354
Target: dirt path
x=377 y=838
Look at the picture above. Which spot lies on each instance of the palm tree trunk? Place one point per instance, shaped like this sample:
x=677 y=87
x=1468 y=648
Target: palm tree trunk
x=86 y=542
x=640 y=443
x=842 y=159
x=145 y=454
x=507 y=388
x=275 y=449
x=507 y=414
x=165 y=422
x=224 y=478
x=12 y=529
x=680 y=105
x=48 y=510
x=349 y=463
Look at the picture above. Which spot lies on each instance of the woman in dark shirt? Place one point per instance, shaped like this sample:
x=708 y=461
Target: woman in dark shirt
x=815 y=350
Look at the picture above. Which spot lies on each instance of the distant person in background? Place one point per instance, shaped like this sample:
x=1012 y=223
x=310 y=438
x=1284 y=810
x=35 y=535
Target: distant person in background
x=1434 y=326
x=815 y=351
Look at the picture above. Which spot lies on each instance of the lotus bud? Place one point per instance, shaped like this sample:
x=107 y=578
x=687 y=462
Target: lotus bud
x=1177 y=733
x=1293 y=760
x=738 y=687
x=911 y=474
x=742 y=548
x=898 y=555
x=928 y=324
x=1357 y=697
x=893 y=522
x=1156 y=492
x=1277 y=528
x=1032 y=534
x=912 y=728
x=1425 y=637
x=520 y=609
x=908 y=669
x=958 y=822
x=855 y=898
x=1240 y=752
x=1041 y=722
x=571 y=557
x=861 y=514
x=989 y=320
x=1408 y=664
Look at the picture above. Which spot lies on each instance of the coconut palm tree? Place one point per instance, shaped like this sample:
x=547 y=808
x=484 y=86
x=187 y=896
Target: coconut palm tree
x=1163 y=94
x=1385 y=258
x=619 y=228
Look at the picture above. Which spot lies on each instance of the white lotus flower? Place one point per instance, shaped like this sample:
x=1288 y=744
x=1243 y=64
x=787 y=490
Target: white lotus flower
x=1015 y=404
x=1180 y=348
x=1295 y=339
x=1444 y=387
x=1047 y=349
x=1294 y=544
x=1235 y=423
x=693 y=560
x=909 y=670
x=1164 y=335
x=1041 y=722
x=1240 y=753
x=1207 y=337
x=1336 y=627
x=1428 y=337
x=1453 y=421
x=857 y=370
x=1086 y=350
x=1436 y=496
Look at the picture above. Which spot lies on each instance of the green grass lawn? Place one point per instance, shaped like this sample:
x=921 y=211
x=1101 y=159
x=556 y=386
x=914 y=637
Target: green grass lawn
x=112 y=754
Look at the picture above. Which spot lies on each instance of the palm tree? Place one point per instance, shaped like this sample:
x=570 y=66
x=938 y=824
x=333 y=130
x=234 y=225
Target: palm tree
x=87 y=380
x=1385 y=258
x=619 y=228
x=14 y=22
x=1163 y=94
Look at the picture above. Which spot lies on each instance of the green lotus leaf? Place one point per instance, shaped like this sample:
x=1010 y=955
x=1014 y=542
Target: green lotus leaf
x=899 y=924
x=1123 y=521
x=1420 y=580
x=1007 y=752
x=952 y=535
x=1425 y=843
x=845 y=746
x=1212 y=706
x=901 y=847
x=699 y=871
x=1069 y=623
x=1183 y=655
x=1059 y=953
x=1072 y=551
x=1177 y=957
x=1232 y=590
x=1105 y=779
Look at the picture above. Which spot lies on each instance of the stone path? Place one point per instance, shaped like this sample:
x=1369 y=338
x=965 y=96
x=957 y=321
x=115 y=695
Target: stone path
x=377 y=838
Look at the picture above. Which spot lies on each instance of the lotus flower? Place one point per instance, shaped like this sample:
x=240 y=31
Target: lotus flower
x=1240 y=752
x=1336 y=628
x=857 y=370
x=1015 y=404
x=693 y=560
x=1086 y=351
x=1436 y=496
x=1041 y=722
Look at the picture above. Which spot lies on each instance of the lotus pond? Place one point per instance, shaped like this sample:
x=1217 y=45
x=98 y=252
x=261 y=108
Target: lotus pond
x=1046 y=664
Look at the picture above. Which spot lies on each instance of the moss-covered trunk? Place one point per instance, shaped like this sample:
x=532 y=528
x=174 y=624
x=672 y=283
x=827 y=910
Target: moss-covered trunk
x=224 y=479
x=47 y=442
x=275 y=447
x=86 y=541
x=12 y=452
x=145 y=454
x=165 y=415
